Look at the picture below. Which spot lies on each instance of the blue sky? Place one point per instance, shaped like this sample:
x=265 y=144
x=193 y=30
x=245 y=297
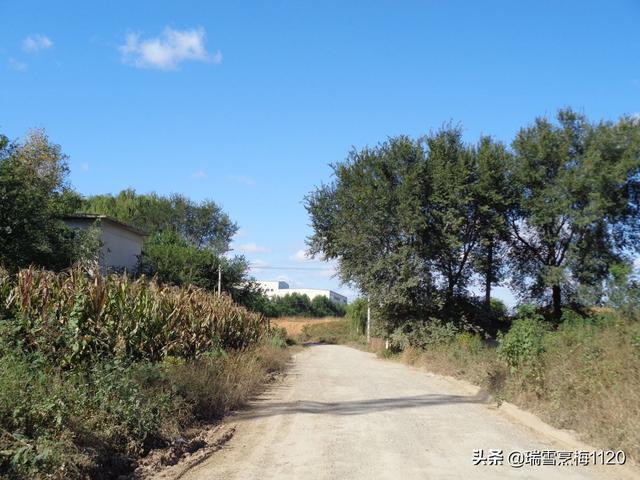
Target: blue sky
x=247 y=103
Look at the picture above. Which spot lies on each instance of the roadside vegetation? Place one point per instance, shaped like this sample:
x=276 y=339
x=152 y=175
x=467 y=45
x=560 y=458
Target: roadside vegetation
x=417 y=224
x=95 y=371
x=583 y=375
x=347 y=330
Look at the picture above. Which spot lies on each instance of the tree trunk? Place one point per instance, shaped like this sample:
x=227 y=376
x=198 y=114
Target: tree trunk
x=557 y=302
x=450 y=286
x=488 y=277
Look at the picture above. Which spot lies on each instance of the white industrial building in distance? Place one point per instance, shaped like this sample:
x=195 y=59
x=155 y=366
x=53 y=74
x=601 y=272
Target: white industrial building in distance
x=280 y=289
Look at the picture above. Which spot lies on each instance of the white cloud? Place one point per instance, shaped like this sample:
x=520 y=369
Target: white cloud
x=14 y=64
x=252 y=248
x=258 y=265
x=301 y=256
x=168 y=50
x=331 y=270
x=84 y=167
x=199 y=175
x=35 y=43
x=326 y=273
x=241 y=179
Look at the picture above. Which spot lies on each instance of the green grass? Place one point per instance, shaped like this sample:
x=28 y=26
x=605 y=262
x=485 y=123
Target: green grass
x=97 y=422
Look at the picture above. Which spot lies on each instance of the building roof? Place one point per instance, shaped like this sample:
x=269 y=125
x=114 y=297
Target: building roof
x=98 y=216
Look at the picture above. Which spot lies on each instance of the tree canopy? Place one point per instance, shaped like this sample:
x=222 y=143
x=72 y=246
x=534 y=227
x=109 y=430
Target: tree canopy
x=186 y=242
x=34 y=196
x=413 y=223
x=203 y=224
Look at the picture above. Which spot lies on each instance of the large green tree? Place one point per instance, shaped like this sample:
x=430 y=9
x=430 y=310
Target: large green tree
x=577 y=203
x=451 y=230
x=203 y=224
x=34 y=196
x=493 y=198
x=370 y=219
x=186 y=243
x=410 y=222
x=172 y=259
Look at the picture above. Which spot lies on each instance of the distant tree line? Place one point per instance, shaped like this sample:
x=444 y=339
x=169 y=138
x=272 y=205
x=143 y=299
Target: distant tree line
x=415 y=223
x=300 y=305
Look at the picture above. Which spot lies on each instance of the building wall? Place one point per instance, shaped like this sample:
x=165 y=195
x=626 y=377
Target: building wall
x=120 y=247
x=272 y=286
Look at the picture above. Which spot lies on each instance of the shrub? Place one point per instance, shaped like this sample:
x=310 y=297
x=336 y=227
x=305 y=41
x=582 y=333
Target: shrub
x=523 y=345
x=469 y=342
x=94 y=422
x=499 y=310
x=423 y=335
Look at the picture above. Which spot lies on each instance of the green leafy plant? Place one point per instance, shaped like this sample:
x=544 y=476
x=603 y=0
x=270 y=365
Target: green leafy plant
x=523 y=345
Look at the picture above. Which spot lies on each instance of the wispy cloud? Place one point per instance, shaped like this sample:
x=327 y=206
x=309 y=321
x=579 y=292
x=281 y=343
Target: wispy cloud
x=14 y=64
x=199 y=175
x=84 y=167
x=35 y=43
x=252 y=248
x=301 y=256
x=258 y=265
x=242 y=180
x=326 y=272
x=168 y=50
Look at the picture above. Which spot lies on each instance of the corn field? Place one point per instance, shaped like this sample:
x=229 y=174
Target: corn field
x=74 y=316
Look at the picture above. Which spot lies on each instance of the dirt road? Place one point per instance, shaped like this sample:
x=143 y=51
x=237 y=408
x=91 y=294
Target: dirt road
x=344 y=414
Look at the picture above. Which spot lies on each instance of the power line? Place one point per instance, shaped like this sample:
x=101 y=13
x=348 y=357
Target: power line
x=288 y=268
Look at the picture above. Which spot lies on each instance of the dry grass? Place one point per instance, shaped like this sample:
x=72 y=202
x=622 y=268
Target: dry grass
x=589 y=380
x=335 y=331
x=294 y=325
x=214 y=386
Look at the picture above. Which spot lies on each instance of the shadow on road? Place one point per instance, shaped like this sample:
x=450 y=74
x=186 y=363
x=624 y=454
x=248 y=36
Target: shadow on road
x=356 y=407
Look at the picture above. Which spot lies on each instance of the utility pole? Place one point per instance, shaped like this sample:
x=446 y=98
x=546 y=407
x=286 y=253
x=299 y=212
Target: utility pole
x=219 y=279
x=368 y=321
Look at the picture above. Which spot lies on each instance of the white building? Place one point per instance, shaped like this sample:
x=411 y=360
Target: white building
x=270 y=287
x=280 y=289
x=121 y=243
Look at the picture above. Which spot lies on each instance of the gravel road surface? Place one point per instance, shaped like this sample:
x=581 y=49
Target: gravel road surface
x=344 y=414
